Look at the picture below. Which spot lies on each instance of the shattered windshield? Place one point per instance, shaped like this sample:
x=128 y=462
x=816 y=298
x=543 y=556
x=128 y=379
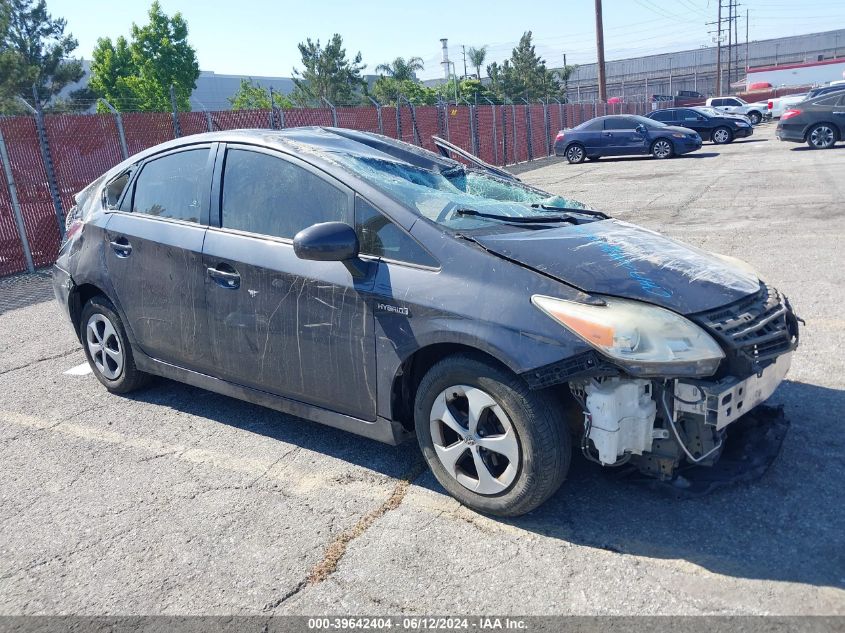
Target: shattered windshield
x=458 y=199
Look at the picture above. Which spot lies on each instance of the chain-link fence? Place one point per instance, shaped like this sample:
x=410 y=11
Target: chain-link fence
x=48 y=158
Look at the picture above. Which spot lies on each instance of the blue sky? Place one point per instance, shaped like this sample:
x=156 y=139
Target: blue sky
x=259 y=37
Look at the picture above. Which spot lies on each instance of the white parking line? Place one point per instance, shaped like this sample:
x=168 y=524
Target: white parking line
x=79 y=370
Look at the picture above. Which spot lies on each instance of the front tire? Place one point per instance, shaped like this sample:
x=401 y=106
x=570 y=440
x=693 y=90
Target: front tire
x=821 y=136
x=662 y=148
x=575 y=154
x=107 y=347
x=755 y=117
x=492 y=443
x=722 y=136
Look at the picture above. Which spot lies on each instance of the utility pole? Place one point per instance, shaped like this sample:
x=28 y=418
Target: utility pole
x=730 y=40
x=746 y=42
x=719 y=49
x=602 y=80
x=736 y=38
x=464 y=49
x=566 y=79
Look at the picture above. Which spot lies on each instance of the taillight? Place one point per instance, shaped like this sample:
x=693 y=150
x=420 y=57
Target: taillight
x=74 y=228
x=770 y=105
x=789 y=114
x=559 y=136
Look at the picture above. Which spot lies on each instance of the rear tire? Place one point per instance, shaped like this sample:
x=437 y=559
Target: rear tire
x=575 y=154
x=755 y=117
x=662 y=148
x=492 y=443
x=821 y=136
x=107 y=347
x=722 y=136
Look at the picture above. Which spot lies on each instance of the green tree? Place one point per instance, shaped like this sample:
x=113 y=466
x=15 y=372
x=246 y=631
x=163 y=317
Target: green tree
x=251 y=96
x=524 y=75
x=137 y=74
x=402 y=69
x=471 y=90
x=327 y=74
x=476 y=58
x=387 y=90
x=35 y=51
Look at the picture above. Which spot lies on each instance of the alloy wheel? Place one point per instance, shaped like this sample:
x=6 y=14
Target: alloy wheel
x=575 y=154
x=822 y=136
x=721 y=136
x=474 y=439
x=662 y=149
x=104 y=346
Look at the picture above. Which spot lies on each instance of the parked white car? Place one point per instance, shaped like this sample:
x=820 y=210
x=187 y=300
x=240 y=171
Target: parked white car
x=735 y=105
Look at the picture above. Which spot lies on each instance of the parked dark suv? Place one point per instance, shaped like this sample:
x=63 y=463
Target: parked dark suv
x=370 y=285
x=711 y=124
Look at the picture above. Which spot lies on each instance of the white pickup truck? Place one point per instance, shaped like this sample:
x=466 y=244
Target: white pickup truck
x=735 y=105
x=779 y=105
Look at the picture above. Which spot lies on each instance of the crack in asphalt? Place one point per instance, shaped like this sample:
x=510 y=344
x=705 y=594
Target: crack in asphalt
x=40 y=360
x=336 y=550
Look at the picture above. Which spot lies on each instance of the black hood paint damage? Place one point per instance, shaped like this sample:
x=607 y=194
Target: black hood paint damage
x=620 y=259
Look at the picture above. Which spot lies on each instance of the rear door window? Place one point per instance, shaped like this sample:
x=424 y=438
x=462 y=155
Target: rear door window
x=619 y=123
x=171 y=186
x=689 y=116
x=665 y=116
x=591 y=126
x=269 y=195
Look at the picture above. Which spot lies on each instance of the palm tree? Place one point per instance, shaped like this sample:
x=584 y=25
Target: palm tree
x=476 y=58
x=401 y=69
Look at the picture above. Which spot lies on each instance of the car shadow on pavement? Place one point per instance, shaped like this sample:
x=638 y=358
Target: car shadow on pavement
x=806 y=148
x=787 y=526
x=625 y=159
x=21 y=291
x=393 y=461
x=739 y=141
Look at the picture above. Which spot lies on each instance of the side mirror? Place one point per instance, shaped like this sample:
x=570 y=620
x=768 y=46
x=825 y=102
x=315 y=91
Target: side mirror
x=326 y=242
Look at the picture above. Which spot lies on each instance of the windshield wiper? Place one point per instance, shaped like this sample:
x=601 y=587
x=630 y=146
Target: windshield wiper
x=590 y=212
x=537 y=219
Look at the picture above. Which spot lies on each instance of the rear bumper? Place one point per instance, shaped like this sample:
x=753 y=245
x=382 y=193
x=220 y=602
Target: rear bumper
x=62 y=286
x=790 y=133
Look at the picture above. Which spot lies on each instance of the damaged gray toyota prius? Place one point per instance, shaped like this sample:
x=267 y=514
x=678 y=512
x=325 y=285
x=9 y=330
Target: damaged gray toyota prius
x=370 y=285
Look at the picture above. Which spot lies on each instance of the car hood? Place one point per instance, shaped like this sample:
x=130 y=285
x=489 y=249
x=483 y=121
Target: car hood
x=616 y=258
x=679 y=129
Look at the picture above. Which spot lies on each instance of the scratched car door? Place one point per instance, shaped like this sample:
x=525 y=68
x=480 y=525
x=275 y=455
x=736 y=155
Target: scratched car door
x=299 y=329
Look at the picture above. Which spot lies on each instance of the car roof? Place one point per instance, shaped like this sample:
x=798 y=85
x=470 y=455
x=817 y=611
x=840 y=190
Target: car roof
x=315 y=141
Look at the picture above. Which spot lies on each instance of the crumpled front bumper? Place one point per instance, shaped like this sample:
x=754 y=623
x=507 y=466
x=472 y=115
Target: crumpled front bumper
x=752 y=443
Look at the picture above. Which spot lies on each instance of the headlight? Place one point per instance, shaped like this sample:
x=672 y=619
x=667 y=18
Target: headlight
x=742 y=124
x=646 y=339
x=678 y=135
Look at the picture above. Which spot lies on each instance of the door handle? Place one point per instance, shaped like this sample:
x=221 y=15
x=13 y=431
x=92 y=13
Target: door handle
x=607 y=134
x=225 y=279
x=121 y=247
